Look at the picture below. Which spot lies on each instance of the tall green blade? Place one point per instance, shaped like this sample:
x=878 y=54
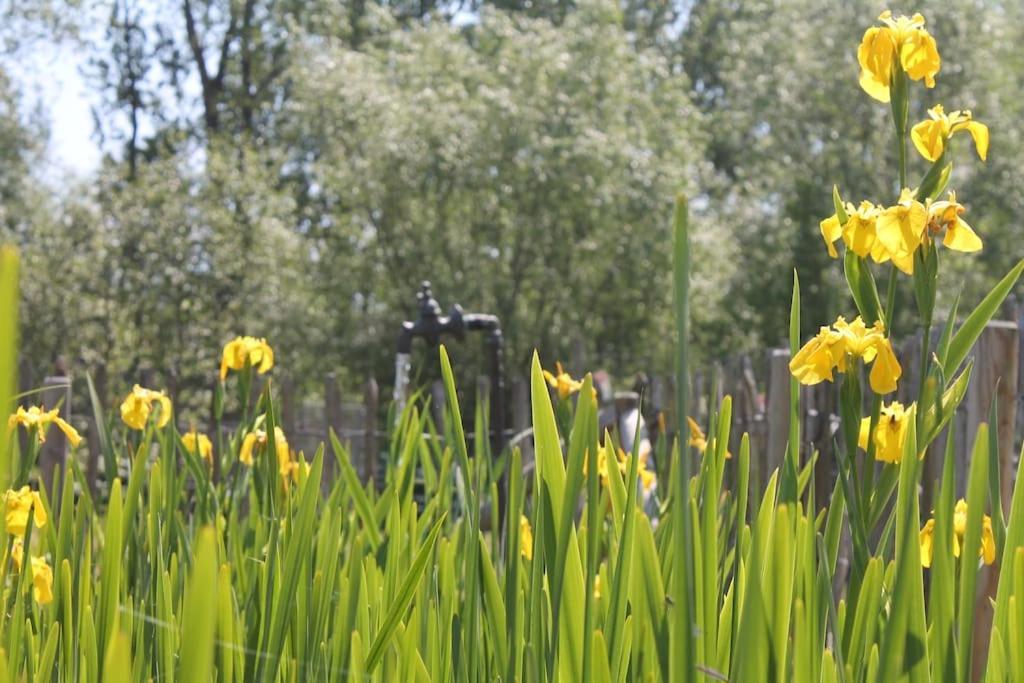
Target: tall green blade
x=682 y=665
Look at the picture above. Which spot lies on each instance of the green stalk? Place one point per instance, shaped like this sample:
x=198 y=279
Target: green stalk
x=681 y=667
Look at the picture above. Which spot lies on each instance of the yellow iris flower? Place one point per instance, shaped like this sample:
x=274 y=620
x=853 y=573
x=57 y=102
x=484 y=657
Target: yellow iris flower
x=890 y=432
x=246 y=350
x=858 y=233
x=648 y=478
x=945 y=215
x=831 y=348
x=901 y=229
x=17 y=505
x=42 y=575
x=902 y=43
x=987 y=551
x=562 y=382
x=931 y=135
x=525 y=537
x=258 y=439
x=42 y=581
x=137 y=406
x=697 y=438
x=40 y=419
x=199 y=444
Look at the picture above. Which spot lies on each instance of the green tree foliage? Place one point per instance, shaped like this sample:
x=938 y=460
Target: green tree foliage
x=522 y=155
x=765 y=73
x=524 y=168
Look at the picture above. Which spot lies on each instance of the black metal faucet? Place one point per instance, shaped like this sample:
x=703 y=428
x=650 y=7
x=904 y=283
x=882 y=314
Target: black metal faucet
x=430 y=326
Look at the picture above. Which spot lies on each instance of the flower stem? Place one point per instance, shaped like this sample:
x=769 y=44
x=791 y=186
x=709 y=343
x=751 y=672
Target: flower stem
x=926 y=331
x=890 y=301
x=901 y=142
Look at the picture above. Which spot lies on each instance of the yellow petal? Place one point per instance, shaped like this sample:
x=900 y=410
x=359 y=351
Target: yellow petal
x=875 y=56
x=165 y=411
x=920 y=57
x=42 y=581
x=831 y=231
x=926 y=541
x=885 y=370
x=928 y=139
x=245 y=453
x=865 y=431
x=988 y=541
x=74 y=438
x=960 y=237
x=979 y=131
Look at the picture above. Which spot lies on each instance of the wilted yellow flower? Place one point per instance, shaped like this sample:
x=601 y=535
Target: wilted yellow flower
x=831 y=347
x=901 y=229
x=137 y=405
x=258 y=439
x=199 y=444
x=18 y=553
x=42 y=575
x=697 y=438
x=525 y=537
x=648 y=478
x=291 y=465
x=890 y=432
x=945 y=215
x=931 y=135
x=42 y=581
x=902 y=43
x=18 y=503
x=987 y=551
x=241 y=350
x=562 y=382
x=926 y=539
x=40 y=419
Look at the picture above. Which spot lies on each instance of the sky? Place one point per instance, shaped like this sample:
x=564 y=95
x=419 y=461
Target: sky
x=49 y=80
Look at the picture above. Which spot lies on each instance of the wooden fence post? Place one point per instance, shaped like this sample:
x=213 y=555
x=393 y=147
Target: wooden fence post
x=371 y=452
x=994 y=378
x=332 y=420
x=54 y=452
x=777 y=412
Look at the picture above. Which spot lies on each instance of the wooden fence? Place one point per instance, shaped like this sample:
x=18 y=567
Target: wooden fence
x=759 y=387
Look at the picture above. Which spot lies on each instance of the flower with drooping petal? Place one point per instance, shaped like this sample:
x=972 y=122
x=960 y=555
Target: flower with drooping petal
x=42 y=575
x=137 y=406
x=858 y=233
x=987 y=549
x=40 y=419
x=829 y=350
x=257 y=439
x=198 y=444
x=246 y=351
x=903 y=43
x=932 y=135
x=525 y=537
x=17 y=505
x=562 y=382
x=890 y=432
x=945 y=216
x=42 y=581
x=901 y=230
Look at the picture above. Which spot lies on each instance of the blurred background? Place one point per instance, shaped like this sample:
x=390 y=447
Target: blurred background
x=180 y=172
